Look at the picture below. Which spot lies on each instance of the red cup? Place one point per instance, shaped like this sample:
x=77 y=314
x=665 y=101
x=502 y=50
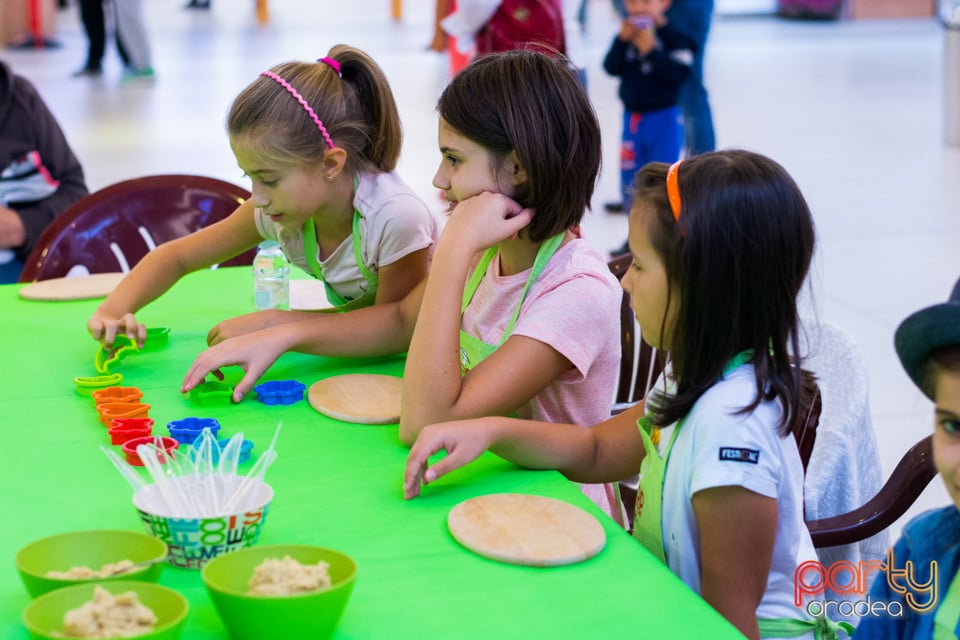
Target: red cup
x=124 y=429
x=130 y=449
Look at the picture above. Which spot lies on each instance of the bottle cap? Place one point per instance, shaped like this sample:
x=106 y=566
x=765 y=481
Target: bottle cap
x=269 y=244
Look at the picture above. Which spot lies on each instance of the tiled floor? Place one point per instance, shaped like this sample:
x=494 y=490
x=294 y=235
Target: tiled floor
x=851 y=109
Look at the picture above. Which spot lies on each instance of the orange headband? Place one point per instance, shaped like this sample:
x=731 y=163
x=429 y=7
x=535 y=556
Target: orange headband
x=673 y=188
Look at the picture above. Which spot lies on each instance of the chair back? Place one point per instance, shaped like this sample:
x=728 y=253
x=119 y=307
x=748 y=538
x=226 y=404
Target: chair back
x=112 y=229
x=640 y=364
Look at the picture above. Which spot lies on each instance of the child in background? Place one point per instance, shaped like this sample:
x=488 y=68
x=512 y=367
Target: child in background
x=724 y=306
x=518 y=314
x=652 y=59
x=320 y=142
x=928 y=343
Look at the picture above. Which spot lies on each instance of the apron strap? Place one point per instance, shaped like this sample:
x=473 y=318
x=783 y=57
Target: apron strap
x=947 y=618
x=544 y=253
x=310 y=251
x=822 y=627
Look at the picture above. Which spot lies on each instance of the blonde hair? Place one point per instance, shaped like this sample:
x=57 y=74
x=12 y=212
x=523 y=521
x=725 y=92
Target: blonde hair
x=356 y=106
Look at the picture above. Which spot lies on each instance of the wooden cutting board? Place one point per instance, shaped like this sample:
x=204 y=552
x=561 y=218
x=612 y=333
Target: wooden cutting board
x=95 y=285
x=364 y=398
x=527 y=530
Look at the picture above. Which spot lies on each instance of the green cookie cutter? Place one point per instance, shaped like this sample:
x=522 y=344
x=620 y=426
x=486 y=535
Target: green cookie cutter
x=105 y=357
x=87 y=385
x=211 y=392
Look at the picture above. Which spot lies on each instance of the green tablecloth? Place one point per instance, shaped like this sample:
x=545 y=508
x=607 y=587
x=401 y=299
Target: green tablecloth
x=336 y=485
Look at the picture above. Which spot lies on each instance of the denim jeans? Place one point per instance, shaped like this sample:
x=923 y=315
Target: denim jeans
x=692 y=17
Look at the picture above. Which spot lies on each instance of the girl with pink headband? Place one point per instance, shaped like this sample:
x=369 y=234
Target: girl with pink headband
x=519 y=315
x=320 y=142
x=721 y=245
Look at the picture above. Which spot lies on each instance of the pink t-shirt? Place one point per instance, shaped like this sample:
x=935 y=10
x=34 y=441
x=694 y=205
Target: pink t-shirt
x=574 y=306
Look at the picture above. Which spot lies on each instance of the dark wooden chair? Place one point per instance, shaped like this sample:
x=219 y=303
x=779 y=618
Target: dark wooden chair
x=112 y=229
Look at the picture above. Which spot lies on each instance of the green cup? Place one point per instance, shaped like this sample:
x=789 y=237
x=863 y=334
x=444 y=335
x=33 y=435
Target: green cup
x=91 y=549
x=43 y=617
x=304 y=615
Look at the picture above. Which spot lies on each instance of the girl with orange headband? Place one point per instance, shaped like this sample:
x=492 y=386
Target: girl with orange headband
x=721 y=245
x=320 y=142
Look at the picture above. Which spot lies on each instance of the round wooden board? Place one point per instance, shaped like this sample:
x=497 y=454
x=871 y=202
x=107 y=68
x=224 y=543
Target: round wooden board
x=364 y=398
x=527 y=530
x=95 y=285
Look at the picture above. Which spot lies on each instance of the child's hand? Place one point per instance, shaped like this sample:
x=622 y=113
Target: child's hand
x=463 y=440
x=645 y=40
x=105 y=328
x=481 y=221
x=242 y=325
x=253 y=352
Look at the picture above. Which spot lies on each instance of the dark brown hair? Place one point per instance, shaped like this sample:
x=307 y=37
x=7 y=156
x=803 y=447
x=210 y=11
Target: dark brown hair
x=532 y=104
x=736 y=258
x=943 y=359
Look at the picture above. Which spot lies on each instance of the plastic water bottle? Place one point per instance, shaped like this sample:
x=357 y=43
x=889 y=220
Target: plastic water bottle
x=271 y=277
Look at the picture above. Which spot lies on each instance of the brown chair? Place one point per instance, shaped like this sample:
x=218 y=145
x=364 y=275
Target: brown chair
x=639 y=362
x=112 y=229
x=908 y=480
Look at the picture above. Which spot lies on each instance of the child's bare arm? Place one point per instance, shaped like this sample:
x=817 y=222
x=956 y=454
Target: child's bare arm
x=735 y=559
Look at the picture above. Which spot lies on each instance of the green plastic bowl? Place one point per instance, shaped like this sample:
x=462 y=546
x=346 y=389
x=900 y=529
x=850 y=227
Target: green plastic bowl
x=44 y=616
x=306 y=615
x=91 y=549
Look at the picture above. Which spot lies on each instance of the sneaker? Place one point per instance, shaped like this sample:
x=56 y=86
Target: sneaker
x=131 y=74
x=87 y=72
x=613 y=207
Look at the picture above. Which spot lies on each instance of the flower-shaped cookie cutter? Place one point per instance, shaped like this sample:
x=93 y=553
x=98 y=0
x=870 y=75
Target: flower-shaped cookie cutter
x=280 y=391
x=211 y=392
x=108 y=356
x=246 y=450
x=188 y=429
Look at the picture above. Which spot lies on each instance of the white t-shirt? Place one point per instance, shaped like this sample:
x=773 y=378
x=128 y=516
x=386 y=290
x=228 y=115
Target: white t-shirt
x=719 y=447
x=394 y=223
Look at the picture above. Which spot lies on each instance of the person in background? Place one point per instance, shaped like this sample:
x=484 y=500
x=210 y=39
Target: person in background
x=40 y=175
x=131 y=34
x=652 y=59
x=928 y=344
x=320 y=142
x=693 y=18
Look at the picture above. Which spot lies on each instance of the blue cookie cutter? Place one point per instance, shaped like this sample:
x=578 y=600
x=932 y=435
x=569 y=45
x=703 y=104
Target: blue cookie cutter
x=280 y=391
x=187 y=430
x=246 y=450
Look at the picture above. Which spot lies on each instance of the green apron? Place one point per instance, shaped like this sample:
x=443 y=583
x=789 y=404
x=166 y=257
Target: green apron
x=472 y=349
x=369 y=297
x=947 y=617
x=648 y=527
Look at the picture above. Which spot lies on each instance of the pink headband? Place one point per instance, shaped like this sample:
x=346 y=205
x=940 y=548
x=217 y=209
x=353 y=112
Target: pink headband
x=306 y=106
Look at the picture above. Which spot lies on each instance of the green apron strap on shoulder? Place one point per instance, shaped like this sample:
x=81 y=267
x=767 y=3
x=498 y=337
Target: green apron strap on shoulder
x=822 y=627
x=476 y=277
x=947 y=618
x=316 y=269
